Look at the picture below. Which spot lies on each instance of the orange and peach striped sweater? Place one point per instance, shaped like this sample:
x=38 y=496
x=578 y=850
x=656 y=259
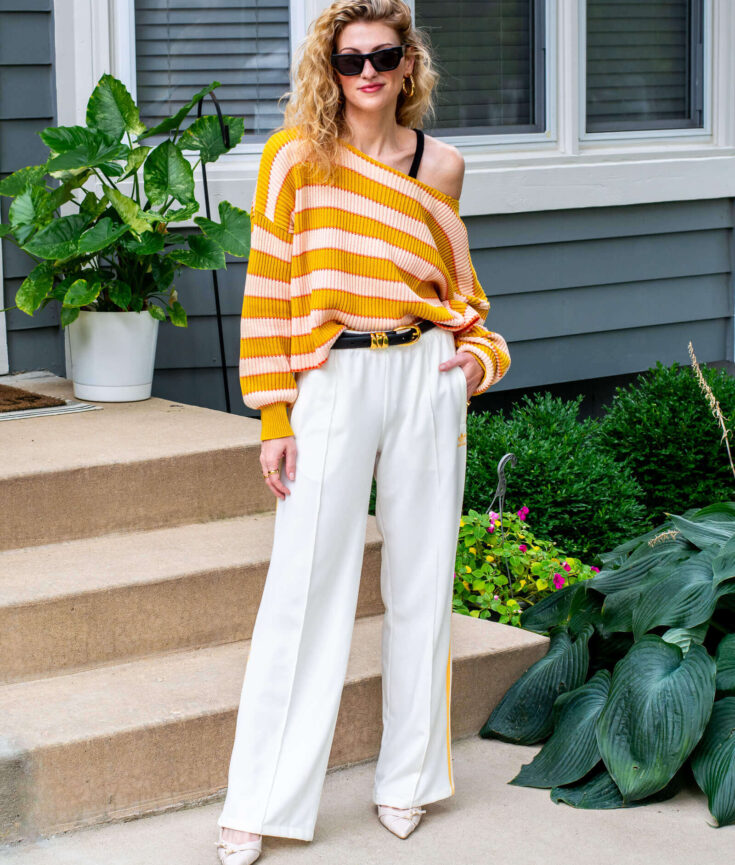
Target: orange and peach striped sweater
x=375 y=249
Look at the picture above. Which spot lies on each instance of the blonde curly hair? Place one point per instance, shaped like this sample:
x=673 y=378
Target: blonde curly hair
x=316 y=104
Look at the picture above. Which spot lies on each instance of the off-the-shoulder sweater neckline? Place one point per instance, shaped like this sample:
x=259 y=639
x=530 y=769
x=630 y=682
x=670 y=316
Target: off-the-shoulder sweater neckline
x=431 y=189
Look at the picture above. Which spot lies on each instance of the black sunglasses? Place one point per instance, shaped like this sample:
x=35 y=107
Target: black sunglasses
x=382 y=60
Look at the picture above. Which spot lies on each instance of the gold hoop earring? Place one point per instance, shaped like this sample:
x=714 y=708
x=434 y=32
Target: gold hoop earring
x=403 y=85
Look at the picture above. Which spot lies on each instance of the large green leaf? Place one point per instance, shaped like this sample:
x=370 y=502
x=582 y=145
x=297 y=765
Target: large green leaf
x=101 y=235
x=205 y=136
x=135 y=159
x=111 y=108
x=725 y=661
x=637 y=567
x=16 y=182
x=233 y=230
x=203 y=254
x=62 y=139
x=175 y=121
x=685 y=598
x=150 y=243
x=707 y=534
x=572 y=750
x=59 y=239
x=524 y=714
x=119 y=293
x=619 y=606
x=29 y=212
x=684 y=637
x=129 y=211
x=551 y=611
x=658 y=707
x=180 y=214
x=713 y=762
x=81 y=292
x=35 y=287
x=723 y=565
x=599 y=791
x=93 y=147
x=167 y=174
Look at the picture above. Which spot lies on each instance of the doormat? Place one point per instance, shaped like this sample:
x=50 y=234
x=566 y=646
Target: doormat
x=18 y=399
x=17 y=403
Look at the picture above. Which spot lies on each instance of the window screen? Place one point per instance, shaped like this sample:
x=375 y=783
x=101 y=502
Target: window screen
x=183 y=45
x=490 y=59
x=644 y=64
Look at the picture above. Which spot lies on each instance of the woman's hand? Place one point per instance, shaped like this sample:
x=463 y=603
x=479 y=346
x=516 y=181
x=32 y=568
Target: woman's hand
x=271 y=452
x=471 y=367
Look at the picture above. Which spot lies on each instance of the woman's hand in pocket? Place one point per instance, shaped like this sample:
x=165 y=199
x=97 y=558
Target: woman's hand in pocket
x=272 y=452
x=471 y=367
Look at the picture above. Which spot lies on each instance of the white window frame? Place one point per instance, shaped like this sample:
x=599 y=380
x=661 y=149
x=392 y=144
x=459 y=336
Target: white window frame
x=557 y=169
x=693 y=134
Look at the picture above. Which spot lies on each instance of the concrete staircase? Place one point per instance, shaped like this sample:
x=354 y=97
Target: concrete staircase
x=134 y=546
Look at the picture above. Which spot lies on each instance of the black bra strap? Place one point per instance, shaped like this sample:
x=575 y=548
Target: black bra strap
x=413 y=171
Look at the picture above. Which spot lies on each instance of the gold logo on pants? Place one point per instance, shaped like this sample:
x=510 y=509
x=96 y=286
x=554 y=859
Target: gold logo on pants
x=462 y=440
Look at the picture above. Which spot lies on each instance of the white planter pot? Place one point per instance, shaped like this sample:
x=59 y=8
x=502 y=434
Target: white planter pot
x=112 y=355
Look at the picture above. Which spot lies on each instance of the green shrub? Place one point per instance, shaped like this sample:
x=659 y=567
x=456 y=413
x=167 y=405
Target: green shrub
x=579 y=495
x=653 y=631
x=661 y=427
x=485 y=556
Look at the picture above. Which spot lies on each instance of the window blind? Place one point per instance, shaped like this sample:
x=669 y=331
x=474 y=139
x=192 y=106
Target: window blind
x=488 y=54
x=644 y=64
x=183 y=45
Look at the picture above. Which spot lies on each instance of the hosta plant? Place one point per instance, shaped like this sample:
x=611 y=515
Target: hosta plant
x=113 y=247
x=638 y=686
x=490 y=550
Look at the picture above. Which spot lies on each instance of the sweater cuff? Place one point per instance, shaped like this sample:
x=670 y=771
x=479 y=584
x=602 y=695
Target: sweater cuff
x=274 y=421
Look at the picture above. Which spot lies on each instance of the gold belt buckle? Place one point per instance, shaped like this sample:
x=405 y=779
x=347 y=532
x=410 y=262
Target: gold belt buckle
x=378 y=339
x=413 y=327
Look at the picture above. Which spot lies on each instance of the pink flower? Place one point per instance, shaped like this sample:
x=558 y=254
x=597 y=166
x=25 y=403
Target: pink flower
x=593 y=568
x=567 y=566
x=558 y=581
x=522 y=513
x=491 y=528
x=522 y=548
x=496 y=598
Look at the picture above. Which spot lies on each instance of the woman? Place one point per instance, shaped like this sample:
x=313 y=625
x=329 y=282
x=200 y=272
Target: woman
x=356 y=244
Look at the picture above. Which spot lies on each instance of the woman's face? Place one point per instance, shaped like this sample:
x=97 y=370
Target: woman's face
x=361 y=37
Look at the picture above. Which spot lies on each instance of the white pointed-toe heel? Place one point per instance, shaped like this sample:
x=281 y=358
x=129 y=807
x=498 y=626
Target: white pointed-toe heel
x=400 y=821
x=238 y=854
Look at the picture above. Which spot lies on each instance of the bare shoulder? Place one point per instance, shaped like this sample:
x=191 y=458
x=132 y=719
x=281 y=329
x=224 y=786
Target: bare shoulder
x=442 y=166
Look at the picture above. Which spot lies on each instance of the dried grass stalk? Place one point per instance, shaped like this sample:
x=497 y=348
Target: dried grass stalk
x=714 y=405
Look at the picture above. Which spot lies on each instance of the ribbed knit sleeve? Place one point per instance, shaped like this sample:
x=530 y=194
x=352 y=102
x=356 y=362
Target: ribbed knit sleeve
x=490 y=348
x=266 y=379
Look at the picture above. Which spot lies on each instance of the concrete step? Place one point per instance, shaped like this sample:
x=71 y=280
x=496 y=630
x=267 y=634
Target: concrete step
x=486 y=822
x=125 y=467
x=122 y=740
x=78 y=604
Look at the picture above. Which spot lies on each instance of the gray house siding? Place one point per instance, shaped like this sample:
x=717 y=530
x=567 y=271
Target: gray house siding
x=585 y=297
x=27 y=104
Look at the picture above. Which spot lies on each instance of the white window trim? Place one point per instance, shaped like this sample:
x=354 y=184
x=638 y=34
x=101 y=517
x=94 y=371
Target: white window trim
x=557 y=169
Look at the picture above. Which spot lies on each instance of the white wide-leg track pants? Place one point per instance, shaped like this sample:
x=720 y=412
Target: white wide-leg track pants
x=389 y=412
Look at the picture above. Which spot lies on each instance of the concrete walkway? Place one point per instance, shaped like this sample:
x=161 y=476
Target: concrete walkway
x=486 y=821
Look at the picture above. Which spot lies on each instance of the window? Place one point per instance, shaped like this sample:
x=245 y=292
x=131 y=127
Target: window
x=644 y=64
x=183 y=45
x=490 y=59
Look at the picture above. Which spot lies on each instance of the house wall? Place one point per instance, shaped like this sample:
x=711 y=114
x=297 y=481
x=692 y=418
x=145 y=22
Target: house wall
x=585 y=297
x=27 y=105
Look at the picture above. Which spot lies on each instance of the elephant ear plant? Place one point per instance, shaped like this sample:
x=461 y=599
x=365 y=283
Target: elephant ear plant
x=638 y=685
x=114 y=248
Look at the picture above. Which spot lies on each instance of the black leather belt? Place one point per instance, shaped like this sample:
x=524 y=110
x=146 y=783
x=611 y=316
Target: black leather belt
x=383 y=338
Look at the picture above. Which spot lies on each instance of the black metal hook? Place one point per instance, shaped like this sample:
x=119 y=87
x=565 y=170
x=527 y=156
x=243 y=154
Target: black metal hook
x=225 y=131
